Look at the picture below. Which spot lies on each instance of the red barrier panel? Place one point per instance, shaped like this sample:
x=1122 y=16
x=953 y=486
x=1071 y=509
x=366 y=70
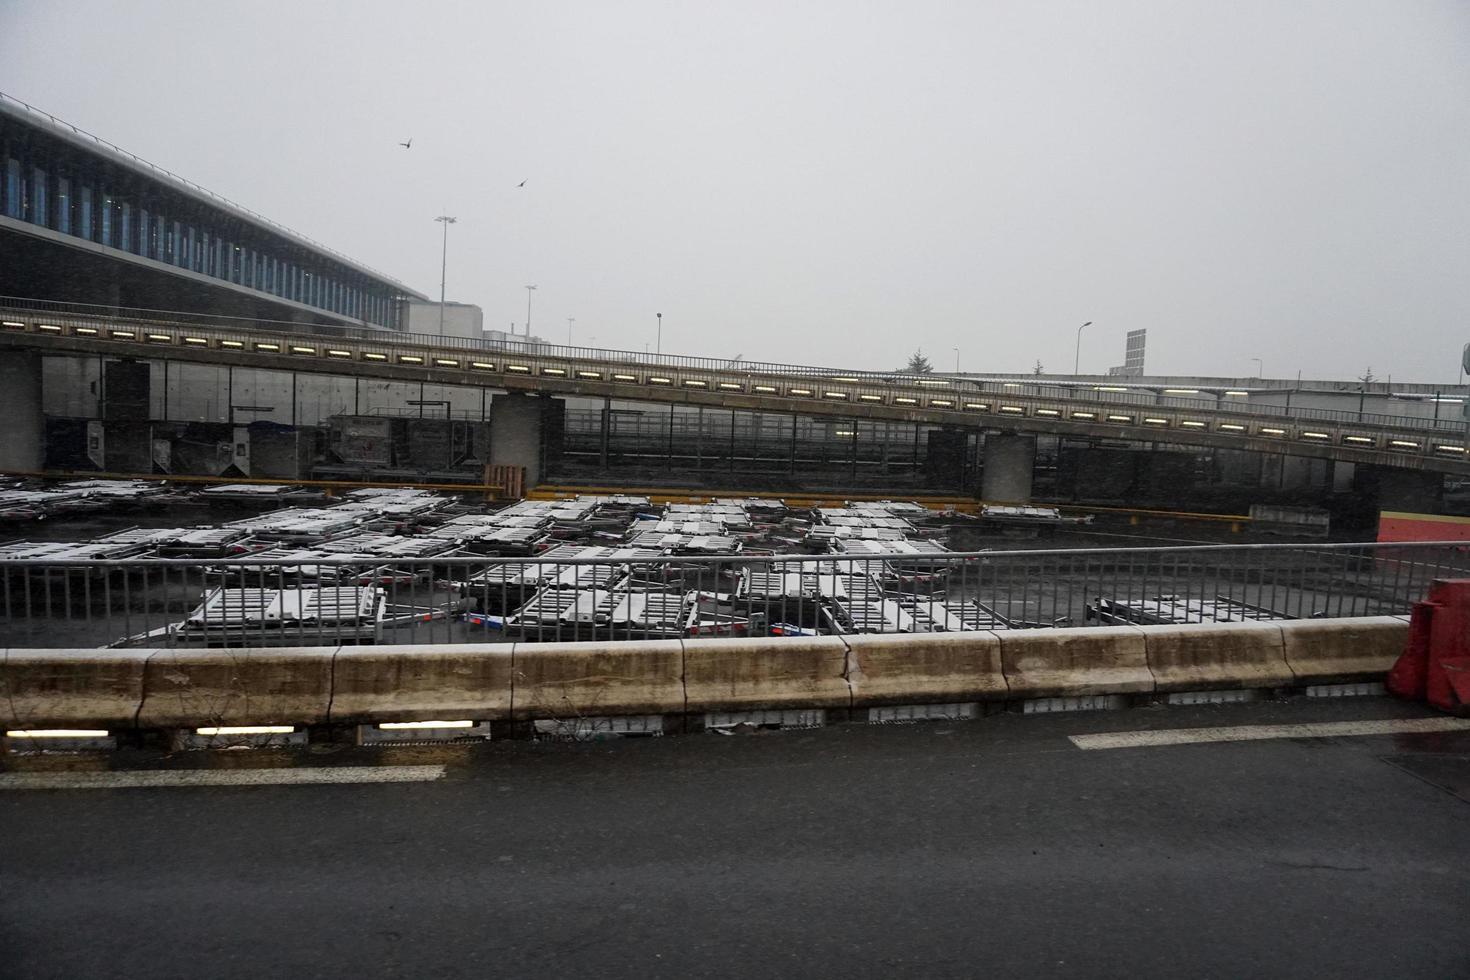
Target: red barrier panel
x=1406 y=679
x=1457 y=672
x=1395 y=526
x=1449 y=644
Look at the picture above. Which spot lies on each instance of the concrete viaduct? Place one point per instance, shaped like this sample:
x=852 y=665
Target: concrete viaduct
x=1401 y=443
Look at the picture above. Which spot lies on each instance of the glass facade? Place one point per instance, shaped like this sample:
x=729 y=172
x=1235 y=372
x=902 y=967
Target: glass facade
x=53 y=184
x=40 y=186
x=10 y=190
x=84 y=212
x=62 y=222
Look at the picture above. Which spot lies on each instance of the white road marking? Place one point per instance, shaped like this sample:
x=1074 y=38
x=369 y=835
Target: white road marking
x=1243 y=733
x=159 y=778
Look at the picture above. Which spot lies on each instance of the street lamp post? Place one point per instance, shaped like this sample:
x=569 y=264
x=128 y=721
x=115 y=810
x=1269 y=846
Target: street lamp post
x=446 y=221
x=1260 y=366
x=1464 y=410
x=956 y=360
x=529 y=291
x=659 y=349
x=1077 y=356
x=570 y=320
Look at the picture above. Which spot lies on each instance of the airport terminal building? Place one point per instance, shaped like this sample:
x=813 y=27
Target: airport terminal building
x=83 y=221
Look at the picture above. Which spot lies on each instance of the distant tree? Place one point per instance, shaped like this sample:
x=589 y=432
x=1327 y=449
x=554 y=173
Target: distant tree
x=1038 y=368
x=919 y=364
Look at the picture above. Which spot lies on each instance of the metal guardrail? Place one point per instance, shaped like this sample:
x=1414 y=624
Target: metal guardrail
x=583 y=370
x=247 y=601
x=1261 y=385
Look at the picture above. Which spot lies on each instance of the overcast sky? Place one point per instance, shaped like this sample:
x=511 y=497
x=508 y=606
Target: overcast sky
x=836 y=182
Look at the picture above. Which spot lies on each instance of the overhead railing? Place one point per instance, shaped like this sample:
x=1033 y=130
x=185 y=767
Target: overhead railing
x=566 y=369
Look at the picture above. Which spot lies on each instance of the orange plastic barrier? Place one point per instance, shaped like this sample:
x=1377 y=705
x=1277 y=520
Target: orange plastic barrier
x=1435 y=665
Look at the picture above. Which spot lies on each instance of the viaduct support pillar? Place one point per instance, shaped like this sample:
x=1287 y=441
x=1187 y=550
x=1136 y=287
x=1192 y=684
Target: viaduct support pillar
x=1009 y=460
x=515 y=433
x=23 y=436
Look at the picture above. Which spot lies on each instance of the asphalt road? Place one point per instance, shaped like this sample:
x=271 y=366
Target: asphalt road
x=987 y=848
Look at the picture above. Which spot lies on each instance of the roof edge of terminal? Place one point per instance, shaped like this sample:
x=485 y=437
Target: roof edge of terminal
x=25 y=112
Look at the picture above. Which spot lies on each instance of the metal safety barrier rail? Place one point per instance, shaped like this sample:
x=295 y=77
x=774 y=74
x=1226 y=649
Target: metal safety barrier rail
x=262 y=601
x=1396 y=441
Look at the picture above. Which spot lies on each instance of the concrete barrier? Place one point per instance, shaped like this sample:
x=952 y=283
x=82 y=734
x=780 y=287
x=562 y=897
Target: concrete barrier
x=71 y=688
x=774 y=672
x=1325 y=651
x=186 y=688
x=1212 y=656
x=1075 y=662
x=568 y=681
x=923 y=668
x=422 y=683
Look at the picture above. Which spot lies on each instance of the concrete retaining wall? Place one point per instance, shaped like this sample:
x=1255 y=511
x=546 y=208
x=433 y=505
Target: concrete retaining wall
x=925 y=668
x=71 y=688
x=1210 y=656
x=421 y=683
x=184 y=688
x=774 y=672
x=568 y=681
x=1075 y=662
x=1327 y=651
x=121 y=689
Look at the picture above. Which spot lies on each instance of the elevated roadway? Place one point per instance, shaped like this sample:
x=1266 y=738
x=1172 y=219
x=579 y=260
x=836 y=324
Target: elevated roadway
x=1406 y=443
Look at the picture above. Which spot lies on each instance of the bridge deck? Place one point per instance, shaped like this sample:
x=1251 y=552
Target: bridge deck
x=1437 y=445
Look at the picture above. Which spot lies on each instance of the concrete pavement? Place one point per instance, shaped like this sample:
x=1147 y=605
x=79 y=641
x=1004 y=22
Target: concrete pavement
x=993 y=847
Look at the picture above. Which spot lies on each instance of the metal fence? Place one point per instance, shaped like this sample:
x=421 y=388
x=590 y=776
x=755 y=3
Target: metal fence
x=475 y=598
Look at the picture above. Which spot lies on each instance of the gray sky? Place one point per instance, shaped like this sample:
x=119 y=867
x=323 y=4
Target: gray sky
x=837 y=182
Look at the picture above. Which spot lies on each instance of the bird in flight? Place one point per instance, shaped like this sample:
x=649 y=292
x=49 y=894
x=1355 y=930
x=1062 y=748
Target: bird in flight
x=523 y=183
x=407 y=145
